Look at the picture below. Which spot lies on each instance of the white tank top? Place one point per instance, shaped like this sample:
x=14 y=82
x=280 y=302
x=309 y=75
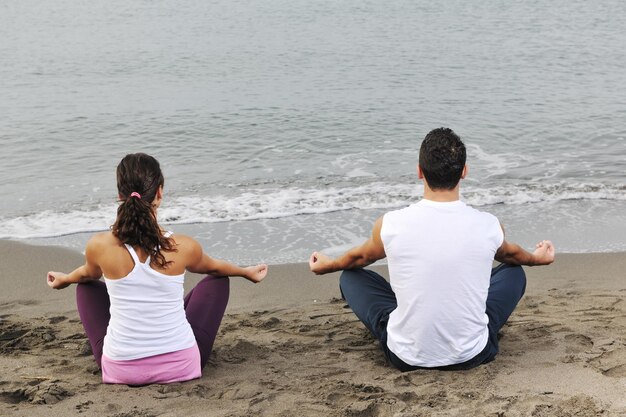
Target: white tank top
x=147 y=314
x=440 y=257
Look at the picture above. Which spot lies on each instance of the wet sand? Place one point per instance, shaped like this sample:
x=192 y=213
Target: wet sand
x=288 y=346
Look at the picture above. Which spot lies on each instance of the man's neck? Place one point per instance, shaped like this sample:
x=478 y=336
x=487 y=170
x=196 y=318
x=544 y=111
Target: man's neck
x=441 y=196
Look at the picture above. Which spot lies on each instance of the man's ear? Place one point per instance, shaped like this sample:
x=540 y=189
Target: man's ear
x=420 y=174
x=465 y=171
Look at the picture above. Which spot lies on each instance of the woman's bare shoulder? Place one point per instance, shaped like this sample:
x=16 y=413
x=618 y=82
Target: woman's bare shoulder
x=103 y=242
x=184 y=242
x=104 y=238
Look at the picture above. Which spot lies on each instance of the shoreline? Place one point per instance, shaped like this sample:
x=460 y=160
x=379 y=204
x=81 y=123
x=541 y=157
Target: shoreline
x=287 y=285
x=292 y=239
x=288 y=346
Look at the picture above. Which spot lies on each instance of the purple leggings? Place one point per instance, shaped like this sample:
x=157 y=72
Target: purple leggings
x=204 y=306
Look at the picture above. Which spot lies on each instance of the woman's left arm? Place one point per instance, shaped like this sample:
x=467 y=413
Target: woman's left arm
x=202 y=263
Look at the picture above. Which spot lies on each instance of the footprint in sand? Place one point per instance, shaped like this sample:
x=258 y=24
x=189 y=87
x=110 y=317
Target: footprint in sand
x=38 y=393
x=611 y=363
x=577 y=343
x=13 y=396
x=242 y=351
x=541 y=334
x=578 y=405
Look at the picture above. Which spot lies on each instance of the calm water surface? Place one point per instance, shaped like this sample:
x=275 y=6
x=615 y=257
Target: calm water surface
x=287 y=126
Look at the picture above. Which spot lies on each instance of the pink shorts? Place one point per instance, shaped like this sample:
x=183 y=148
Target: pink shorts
x=178 y=366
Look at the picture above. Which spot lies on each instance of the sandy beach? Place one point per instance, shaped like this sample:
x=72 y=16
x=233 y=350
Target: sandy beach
x=289 y=347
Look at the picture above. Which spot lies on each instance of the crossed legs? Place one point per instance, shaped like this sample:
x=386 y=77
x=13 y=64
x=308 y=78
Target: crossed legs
x=204 y=307
x=371 y=298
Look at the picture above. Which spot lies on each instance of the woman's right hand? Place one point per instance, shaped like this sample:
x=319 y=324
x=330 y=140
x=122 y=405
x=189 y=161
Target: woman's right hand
x=256 y=273
x=57 y=280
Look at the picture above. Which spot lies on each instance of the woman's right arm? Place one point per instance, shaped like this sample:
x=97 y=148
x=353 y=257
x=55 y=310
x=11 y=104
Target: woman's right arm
x=200 y=263
x=88 y=272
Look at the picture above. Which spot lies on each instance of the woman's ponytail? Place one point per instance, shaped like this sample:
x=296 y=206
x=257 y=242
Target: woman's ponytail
x=139 y=179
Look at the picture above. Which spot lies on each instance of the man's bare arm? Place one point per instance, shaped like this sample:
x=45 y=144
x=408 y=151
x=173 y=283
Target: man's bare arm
x=512 y=253
x=369 y=252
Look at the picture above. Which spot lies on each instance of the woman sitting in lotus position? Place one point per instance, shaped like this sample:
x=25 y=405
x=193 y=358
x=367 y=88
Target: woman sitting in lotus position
x=140 y=327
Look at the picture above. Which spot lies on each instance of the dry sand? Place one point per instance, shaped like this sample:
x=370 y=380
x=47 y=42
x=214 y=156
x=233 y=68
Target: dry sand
x=288 y=347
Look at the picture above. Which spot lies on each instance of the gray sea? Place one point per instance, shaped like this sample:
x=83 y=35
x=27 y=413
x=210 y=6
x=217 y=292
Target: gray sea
x=289 y=126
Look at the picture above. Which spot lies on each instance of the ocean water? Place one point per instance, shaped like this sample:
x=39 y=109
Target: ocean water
x=284 y=127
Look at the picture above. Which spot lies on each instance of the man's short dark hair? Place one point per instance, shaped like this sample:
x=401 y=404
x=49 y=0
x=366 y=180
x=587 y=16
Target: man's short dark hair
x=442 y=158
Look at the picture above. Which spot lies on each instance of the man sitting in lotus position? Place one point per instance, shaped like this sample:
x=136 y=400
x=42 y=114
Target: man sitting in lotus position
x=444 y=304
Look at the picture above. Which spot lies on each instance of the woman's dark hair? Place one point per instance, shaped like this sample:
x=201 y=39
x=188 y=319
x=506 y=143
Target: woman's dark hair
x=442 y=158
x=139 y=177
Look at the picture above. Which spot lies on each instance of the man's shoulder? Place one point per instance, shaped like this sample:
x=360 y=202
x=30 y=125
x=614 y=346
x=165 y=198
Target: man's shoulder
x=428 y=212
x=397 y=213
x=484 y=214
x=488 y=224
x=401 y=210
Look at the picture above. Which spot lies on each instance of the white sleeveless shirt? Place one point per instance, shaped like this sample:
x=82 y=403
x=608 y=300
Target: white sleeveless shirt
x=147 y=314
x=440 y=257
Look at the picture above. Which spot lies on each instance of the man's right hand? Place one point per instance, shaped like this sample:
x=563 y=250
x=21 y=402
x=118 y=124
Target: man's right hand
x=320 y=264
x=544 y=253
x=358 y=257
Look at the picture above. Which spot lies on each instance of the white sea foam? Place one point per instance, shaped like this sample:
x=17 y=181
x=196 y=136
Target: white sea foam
x=271 y=203
x=494 y=163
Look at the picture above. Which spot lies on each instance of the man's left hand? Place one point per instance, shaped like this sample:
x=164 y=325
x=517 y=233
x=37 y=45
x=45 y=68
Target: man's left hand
x=544 y=253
